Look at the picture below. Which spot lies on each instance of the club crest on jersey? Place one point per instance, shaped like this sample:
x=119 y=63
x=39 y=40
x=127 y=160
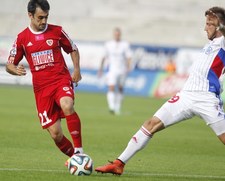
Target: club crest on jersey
x=49 y=42
x=208 y=50
x=13 y=52
x=66 y=88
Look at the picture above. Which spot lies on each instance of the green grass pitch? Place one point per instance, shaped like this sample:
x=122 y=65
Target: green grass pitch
x=186 y=151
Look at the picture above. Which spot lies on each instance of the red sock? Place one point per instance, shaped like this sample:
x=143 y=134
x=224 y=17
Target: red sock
x=74 y=127
x=65 y=146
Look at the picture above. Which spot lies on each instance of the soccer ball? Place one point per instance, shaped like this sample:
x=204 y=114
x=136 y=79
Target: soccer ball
x=80 y=164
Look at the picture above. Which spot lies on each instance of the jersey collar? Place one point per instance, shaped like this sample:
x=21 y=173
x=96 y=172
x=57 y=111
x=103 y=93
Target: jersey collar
x=37 y=32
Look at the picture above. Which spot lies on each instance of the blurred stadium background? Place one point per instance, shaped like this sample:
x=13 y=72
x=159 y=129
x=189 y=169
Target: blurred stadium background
x=171 y=22
x=159 y=31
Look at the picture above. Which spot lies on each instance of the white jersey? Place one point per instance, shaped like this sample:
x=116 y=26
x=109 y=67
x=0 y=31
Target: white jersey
x=116 y=54
x=207 y=68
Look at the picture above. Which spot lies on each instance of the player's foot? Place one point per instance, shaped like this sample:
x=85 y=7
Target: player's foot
x=67 y=161
x=115 y=167
x=111 y=111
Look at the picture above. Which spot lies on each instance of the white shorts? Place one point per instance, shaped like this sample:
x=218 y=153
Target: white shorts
x=185 y=105
x=114 y=78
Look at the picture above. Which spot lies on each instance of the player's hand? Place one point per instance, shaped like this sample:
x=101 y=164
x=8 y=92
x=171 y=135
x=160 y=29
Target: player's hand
x=20 y=70
x=76 y=77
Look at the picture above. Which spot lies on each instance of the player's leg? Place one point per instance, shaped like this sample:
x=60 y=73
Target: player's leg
x=118 y=101
x=64 y=98
x=119 y=94
x=49 y=114
x=141 y=138
x=210 y=108
x=111 y=95
x=137 y=142
x=222 y=138
x=73 y=122
x=173 y=111
x=60 y=140
x=219 y=129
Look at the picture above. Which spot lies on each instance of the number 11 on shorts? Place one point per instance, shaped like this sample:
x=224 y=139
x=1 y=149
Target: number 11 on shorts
x=44 y=118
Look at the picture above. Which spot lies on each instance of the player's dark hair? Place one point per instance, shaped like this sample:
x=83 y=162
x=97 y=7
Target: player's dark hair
x=33 y=4
x=219 y=11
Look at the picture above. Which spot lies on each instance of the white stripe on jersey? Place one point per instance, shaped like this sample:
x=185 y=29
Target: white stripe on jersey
x=70 y=40
x=207 y=68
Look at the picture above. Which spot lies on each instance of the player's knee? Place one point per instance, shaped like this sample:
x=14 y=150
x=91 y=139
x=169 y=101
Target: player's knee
x=222 y=138
x=56 y=136
x=153 y=125
x=66 y=104
x=67 y=108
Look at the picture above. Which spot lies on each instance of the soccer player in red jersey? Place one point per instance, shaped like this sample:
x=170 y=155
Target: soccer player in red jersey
x=41 y=44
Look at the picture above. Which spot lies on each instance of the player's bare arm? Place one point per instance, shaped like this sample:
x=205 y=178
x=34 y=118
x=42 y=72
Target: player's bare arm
x=129 y=65
x=16 y=70
x=100 y=71
x=76 y=75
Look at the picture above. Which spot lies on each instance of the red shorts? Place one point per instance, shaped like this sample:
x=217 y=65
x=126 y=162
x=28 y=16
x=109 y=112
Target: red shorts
x=48 y=105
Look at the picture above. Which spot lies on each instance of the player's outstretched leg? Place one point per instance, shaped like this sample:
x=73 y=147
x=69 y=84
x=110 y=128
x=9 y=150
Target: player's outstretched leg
x=115 y=167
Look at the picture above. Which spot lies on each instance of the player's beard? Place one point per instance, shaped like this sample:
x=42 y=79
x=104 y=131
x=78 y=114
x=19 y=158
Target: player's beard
x=42 y=27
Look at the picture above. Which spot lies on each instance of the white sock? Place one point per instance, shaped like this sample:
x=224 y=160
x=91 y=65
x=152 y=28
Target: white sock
x=118 y=102
x=111 y=100
x=78 y=150
x=137 y=142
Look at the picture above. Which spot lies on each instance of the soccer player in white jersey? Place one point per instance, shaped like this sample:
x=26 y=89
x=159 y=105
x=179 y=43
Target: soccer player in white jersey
x=117 y=55
x=200 y=95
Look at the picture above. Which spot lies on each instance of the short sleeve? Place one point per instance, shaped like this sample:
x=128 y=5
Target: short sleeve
x=16 y=53
x=66 y=43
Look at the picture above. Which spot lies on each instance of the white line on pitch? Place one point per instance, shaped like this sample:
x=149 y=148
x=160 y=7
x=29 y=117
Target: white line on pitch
x=30 y=170
x=174 y=175
x=125 y=173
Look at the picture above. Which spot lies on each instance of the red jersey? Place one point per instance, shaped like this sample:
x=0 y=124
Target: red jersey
x=43 y=53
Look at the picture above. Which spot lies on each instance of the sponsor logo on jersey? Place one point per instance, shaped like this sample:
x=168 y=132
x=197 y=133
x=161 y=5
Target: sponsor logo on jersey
x=13 y=51
x=68 y=92
x=43 y=66
x=43 y=57
x=66 y=88
x=29 y=44
x=39 y=37
x=135 y=139
x=49 y=42
x=76 y=133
